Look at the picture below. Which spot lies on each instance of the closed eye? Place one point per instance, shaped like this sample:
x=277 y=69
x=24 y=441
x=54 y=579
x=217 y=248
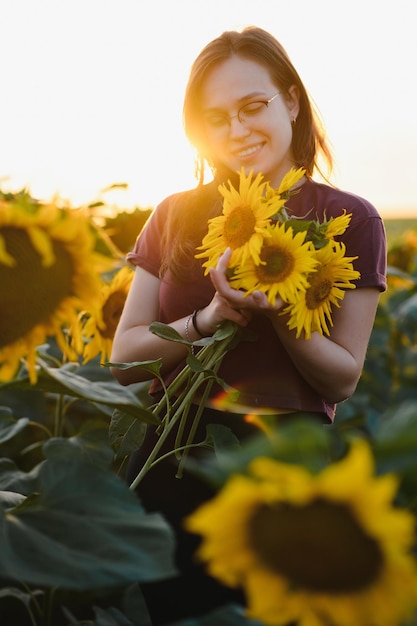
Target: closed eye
x=216 y=120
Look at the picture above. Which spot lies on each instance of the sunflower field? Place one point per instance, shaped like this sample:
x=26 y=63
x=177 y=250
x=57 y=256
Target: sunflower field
x=317 y=524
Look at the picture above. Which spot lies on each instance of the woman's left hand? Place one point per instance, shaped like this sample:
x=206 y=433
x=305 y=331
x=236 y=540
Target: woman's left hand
x=238 y=299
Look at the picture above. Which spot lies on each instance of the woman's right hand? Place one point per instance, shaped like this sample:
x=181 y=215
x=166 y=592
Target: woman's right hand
x=231 y=304
x=219 y=310
x=256 y=301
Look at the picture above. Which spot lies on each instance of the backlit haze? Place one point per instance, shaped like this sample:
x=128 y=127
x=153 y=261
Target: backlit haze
x=92 y=90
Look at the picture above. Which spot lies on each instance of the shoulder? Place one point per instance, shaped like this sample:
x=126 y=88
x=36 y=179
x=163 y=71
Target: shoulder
x=322 y=200
x=365 y=238
x=162 y=210
x=207 y=190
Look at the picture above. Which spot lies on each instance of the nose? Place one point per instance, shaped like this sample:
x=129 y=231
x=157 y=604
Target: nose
x=238 y=128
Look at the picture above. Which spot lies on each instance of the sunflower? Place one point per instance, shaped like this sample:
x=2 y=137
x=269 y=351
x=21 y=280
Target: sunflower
x=326 y=287
x=321 y=549
x=48 y=272
x=285 y=189
x=337 y=225
x=241 y=227
x=99 y=332
x=285 y=261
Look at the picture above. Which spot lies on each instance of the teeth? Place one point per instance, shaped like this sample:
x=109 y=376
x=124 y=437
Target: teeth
x=247 y=152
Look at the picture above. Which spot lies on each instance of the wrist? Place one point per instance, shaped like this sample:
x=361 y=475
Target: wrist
x=195 y=323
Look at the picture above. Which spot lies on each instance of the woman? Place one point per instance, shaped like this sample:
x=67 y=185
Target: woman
x=245 y=106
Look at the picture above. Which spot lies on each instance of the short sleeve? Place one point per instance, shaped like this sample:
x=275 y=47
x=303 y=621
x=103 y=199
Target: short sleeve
x=366 y=239
x=147 y=251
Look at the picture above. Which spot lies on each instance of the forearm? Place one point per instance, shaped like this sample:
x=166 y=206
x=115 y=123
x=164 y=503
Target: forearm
x=326 y=366
x=138 y=343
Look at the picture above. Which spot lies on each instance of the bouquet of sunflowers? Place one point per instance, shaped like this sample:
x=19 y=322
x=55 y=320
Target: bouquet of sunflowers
x=297 y=260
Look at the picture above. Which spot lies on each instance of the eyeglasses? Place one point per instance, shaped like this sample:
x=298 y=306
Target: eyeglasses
x=221 y=122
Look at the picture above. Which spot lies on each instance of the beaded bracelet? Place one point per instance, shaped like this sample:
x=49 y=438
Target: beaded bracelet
x=194 y=321
x=187 y=332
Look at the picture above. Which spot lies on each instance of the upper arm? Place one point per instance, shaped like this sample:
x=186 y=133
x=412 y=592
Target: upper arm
x=353 y=321
x=130 y=342
x=142 y=302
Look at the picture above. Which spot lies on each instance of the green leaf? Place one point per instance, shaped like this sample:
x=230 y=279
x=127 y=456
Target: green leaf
x=399 y=422
x=110 y=617
x=395 y=442
x=25 y=598
x=89 y=529
x=126 y=434
x=395 y=271
x=61 y=381
x=153 y=367
x=134 y=605
x=225 y=330
x=222 y=438
x=9 y=426
x=166 y=332
x=91 y=445
x=15 y=480
x=10 y=499
x=407 y=316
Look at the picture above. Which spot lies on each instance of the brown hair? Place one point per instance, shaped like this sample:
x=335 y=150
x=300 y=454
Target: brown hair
x=258 y=45
x=187 y=221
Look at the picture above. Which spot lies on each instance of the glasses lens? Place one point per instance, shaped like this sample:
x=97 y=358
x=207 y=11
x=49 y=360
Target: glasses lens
x=216 y=121
x=251 y=110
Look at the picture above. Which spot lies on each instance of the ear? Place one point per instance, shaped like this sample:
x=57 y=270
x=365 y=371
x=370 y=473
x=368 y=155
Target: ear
x=293 y=103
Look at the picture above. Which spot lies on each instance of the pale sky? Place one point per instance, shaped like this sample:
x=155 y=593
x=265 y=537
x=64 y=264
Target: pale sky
x=92 y=90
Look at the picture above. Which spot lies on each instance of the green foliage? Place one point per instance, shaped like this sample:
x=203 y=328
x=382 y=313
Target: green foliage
x=75 y=542
x=86 y=524
x=390 y=373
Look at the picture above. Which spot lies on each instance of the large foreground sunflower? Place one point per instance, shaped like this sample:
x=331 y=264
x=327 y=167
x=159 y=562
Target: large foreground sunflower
x=326 y=288
x=48 y=272
x=285 y=260
x=321 y=549
x=99 y=332
x=241 y=226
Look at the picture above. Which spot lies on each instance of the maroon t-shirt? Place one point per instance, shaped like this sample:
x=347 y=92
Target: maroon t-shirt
x=261 y=370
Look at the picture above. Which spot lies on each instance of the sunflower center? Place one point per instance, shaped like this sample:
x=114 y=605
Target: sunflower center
x=239 y=226
x=318 y=292
x=30 y=293
x=112 y=310
x=320 y=546
x=278 y=264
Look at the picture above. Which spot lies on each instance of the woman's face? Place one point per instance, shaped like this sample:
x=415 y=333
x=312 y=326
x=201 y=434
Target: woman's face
x=261 y=139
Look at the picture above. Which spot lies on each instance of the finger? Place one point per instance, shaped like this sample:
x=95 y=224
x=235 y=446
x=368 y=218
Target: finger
x=222 y=286
x=223 y=260
x=260 y=299
x=219 y=278
x=247 y=314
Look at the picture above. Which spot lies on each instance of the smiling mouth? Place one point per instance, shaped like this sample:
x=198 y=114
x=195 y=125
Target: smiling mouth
x=248 y=151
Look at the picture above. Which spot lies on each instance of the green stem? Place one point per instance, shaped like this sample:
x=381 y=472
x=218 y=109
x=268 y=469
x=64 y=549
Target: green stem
x=179 y=381
x=211 y=357
x=167 y=429
x=200 y=444
x=193 y=428
x=35 y=602
x=171 y=400
x=59 y=416
x=59 y=408
x=49 y=606
x=41 y=427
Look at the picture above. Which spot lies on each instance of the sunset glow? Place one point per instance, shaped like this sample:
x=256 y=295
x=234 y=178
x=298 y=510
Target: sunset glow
x=94 y=96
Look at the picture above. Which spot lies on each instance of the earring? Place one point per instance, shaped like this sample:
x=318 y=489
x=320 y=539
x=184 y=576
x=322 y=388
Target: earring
x=293 y=121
